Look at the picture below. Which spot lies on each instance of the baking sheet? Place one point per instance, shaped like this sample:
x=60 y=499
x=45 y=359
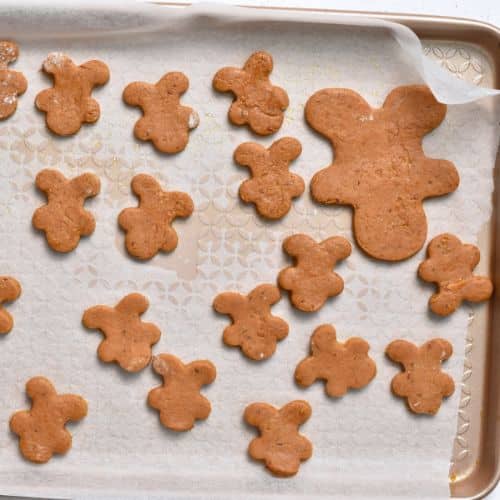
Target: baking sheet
x=364 y=443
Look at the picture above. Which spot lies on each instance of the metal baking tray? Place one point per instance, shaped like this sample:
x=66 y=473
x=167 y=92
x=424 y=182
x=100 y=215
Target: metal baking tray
x=471 y=50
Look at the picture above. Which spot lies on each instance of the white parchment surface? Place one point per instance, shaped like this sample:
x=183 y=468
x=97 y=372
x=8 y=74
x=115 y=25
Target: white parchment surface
x=365 y=444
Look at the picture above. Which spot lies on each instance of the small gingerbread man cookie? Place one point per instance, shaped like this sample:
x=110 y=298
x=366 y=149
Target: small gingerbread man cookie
x=450 y=264
x=10 y=289
x=12 y=83
x=179 y=400
x=272 y=187
x=257 y=102
x=280 y=446
x=342 y=366
x=380 y=167
x=166 y=123
x=128 y=339
x=63 y=218
x=311 y=279
x=149 y=226
x=69 y=103
x=41 y=429
x=254 y=329
x=422 y=383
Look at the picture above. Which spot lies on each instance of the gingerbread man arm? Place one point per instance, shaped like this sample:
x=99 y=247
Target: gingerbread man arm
x=285 y=150
x=145 y=187
x=72 y=406
x=96 y=72
x=264 y=296
x=232 y=303
x=296 y=412
x=134 y=303
x=137 y=93
x=49 y=180
x=86 y=185
x=257 y=414
x=251 y=155
x=415 y=108
x=338 y=247
x=10 y=289
x=202 y=371
x=435 y=177
x=401 y=351
x=173 y=84
x=229 y=80
x=97 y=316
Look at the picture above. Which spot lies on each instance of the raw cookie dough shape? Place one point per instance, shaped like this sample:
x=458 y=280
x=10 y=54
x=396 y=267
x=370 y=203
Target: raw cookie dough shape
x=68 y=103
x=63 y=218
x=257 y=101
x=128 y=339
x=12 y=83
x=422 y=383
x=254 y=329
x=165 y=122
x=342 y=365
x=380 y=168
x=279 y=446
x=272 y=186
x=450 y=264
x=148 y=227
x=311 y=279
x=10 y=289
x=179 y=400
x=41 y=429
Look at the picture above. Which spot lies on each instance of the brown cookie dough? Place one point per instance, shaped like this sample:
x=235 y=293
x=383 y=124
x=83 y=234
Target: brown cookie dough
x=311 y=279
x=165 y=122
x=69 y=103
x=257 y=102
x=128 y=339
x=148 y=227
x=280 y=446
x=380 y=167
x=63 y=218
x=179 y=400
x=342 y=366
x=254 y=329
x=41 y=429
x=422 y=383
x=10 y=289
x=450 y=264
x=12 y=83
x=272 y=187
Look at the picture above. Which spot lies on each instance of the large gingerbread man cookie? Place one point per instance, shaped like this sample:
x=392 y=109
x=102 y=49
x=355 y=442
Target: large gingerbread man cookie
x=148 y=227
x=450 y=264
x=165 y=122
x=380 y=168
x=257 y=102
x=12 y=83
x=69 y=103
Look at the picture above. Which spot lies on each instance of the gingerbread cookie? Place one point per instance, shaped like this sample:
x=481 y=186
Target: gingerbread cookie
x=69 y=103
x=179 y=400
x=166 y=123
x=280 y=446
x=10 y=289
x=63 y=218
x=128 y=339
x=12 y=83
x=254 y=329
x=422 y=383
x=450 y=264
x=149 y=226
x=41 y=429
x=311 y=279
x=257 y=102
x=342 y=366
x=272 y=186
x=380 y=168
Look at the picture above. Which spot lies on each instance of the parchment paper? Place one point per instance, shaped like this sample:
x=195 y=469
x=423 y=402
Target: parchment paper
x=365 y=444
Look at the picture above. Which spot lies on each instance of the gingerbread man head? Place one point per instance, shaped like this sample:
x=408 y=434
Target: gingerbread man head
x=450 y=265
x=380 y=167
x=257 y=102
